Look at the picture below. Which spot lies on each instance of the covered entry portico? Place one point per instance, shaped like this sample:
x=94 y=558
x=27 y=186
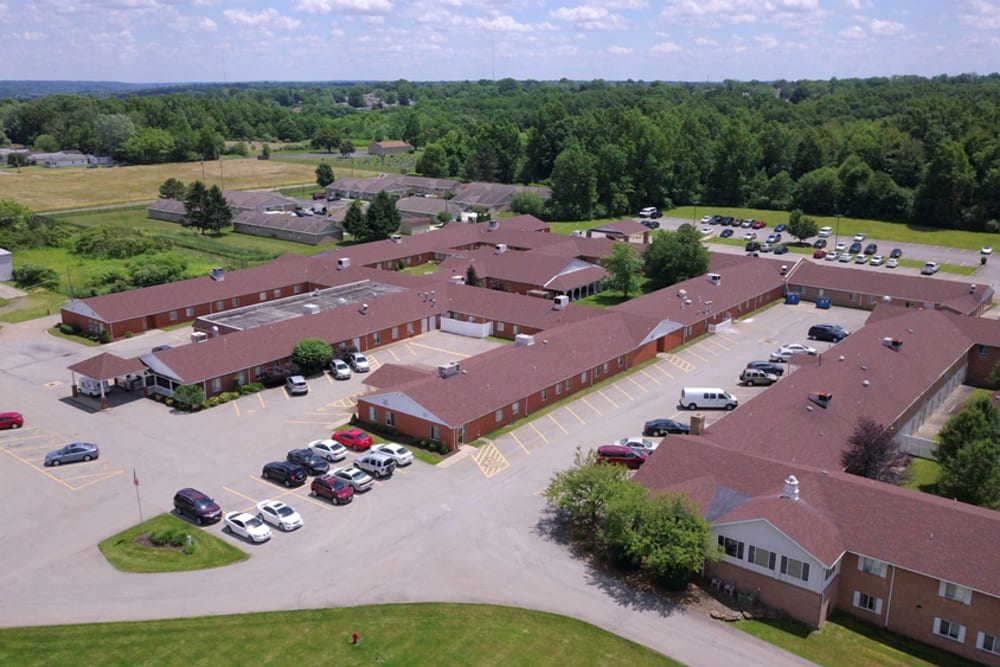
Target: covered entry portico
x=95 y=378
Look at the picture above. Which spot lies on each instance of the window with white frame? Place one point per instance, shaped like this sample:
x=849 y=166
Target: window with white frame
x=545 y=394
x=989 y=643
x=219 y=305
x=871 y=566
x=955 y=592
x=583 y=377
x=605 y=367
x=409 y=328
x=216 y=385
x=377 y=338
x=390 y=418
x=499 y=415
x=733 y=548
x=597 y=371
x=395 y=333
x=435 y=433
x=276 y=293
x=189 y=311
x=558 y=388
x=867 y=602
x=296 y=289
x=500 y=326
x=949 y=629
x=762 y=557
x=621 y=362
x=262 y=296
x=173 y=315
x=515 y=408
x=372 y=414
x=235 y=301
x=795 y=568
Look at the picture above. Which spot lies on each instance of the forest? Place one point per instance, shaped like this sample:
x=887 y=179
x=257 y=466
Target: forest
x=907 y=149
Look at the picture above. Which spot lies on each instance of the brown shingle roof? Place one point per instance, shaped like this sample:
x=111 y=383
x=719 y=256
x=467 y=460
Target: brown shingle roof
x=107 y=366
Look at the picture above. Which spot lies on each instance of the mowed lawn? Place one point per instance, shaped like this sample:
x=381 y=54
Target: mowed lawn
x=42 y=189
x=411 y=634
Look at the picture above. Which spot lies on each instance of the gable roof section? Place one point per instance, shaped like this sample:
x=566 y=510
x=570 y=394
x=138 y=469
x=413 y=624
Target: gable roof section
x=627 y=227
x=799 y=431
x=534 y=313
x=492 y=195
x=920 y=532
x=308 y=224
x=388 y=375
x=107 y=366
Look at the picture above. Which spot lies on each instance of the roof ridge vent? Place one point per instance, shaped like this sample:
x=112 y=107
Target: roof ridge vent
x=791 y=488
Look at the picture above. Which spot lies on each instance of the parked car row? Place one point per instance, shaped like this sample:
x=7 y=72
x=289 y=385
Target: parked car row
x=729 y=221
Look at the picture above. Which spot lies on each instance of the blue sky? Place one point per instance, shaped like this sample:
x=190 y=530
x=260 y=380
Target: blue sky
x=323 y=40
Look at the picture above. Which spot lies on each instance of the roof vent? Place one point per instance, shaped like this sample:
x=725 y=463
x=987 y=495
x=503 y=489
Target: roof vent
x=217 y=273
x=886 y=299
x=456 y=280
x=310 y=309
x=972 y=289
x=449 y=369
x=560 y=302
x=784 y=269
x=363 y=309
x=500 y=249
x=821 y=398
x=893 y=343
x=682 y=293
x=714 y=278
x=791 y=490
x=522 y=340
x=199 y=337
x=343 y=263
x=493 y=225
x=395 y=238
x=577 y=232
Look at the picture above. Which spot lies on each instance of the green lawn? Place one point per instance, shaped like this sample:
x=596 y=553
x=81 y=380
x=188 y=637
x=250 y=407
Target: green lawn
x=846 y=641
x=124 y=554
x=410 y=634
x=922 y=475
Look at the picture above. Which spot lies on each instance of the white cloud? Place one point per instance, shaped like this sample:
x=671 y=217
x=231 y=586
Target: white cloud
x=327 y=6
x=705 y=41
x=981 y=14
x=266 y=18
x=718 y=12
x=666 y=47
x=29 y=36
x=854 y=32
x=766 y=41
x=505 y=23
x=885 y=27
x=589 y=17
x=206 y=24
x=620 y=50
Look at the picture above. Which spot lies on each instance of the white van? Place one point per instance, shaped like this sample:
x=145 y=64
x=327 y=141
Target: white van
x=693 y=398
x=825 y=232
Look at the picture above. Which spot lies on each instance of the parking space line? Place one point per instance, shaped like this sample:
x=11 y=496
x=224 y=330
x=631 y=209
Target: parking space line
x=540 y=434
x=571 y=411
x=439 y=349
x=102 y=476
x=695 y=354
x=393 y=353
x=702 y=347
x=714 y=341
x=519 y=443
x=243 y=495
x=682 y=364
x=103 y=473
x=491 y=460
x=632 y=380
x=644 y=372
x=613 y=404
x=260 y=398
x=410 y=348
x=41 y=470
x=561 y=427
x=237 y=408
x=31 y=448
x=619 y=388
x=318 y=503
x=590 y=405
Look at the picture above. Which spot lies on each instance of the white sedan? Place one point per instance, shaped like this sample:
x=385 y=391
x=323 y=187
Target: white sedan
x=785 y=352
x=246 y=526
x=638 y=444
x=401 y=455
x=279 y=514
x=986 y=250
x=359 y=479
x=328 y=449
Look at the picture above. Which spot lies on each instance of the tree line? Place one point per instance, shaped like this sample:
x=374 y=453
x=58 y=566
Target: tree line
x=909 y=149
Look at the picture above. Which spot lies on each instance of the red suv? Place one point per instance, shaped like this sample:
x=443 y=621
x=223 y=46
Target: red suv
x=620 y=454
x=338 y=490
x=354 y=438
x=11 y=420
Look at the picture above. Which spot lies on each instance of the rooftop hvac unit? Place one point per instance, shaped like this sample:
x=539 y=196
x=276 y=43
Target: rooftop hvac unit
x=714 y=278
x=217 y=273
x=560 y=302
x=449 y=369
x=500 y=249
x=493 y=225
x=199 y=337
x=457 y=280
x=522 y=340
x=310 y=309
x=893 y=343
x=821 y=398
x=577 y=232
x=343 y=263
x=682 y=293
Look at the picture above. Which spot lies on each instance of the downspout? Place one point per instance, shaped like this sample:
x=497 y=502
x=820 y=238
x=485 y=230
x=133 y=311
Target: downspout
x=888 y=603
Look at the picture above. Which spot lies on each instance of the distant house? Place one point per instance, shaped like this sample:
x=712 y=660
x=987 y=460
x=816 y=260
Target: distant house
x=6 y=265
x=173 y=210
x=494 y=198
x=395 y=184
x=60 y=160
x=388 y=147
x=311 y=229
x=622 y=230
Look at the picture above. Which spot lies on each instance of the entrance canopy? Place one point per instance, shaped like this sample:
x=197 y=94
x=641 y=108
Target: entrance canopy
x=107 y=366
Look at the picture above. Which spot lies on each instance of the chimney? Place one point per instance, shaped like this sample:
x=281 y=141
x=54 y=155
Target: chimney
x=893 y=343
x=697 y=424
x=791 y=490
x=363 y=309
x=217 y=274
x=972 y=289
x=821 y=398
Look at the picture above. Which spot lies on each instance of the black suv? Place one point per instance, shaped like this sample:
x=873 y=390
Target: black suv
x=196 y=505
x=289 y=474
x=833 y=333
x=767 y=367
x=314 y=464
x=752 y=246
x=871 y=249
x=855 y=248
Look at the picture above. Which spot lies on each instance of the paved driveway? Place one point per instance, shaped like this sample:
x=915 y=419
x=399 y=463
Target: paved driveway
x=474 y=529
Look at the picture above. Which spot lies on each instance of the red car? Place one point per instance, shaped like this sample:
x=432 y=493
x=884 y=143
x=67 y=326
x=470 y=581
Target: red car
x=354 y=438
x=621 y=455
x=819 y=254
x=11 y=420
x=758 y=224
x=336 y=489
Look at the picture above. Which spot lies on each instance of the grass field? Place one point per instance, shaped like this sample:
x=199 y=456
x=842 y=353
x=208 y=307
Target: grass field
x=124 y=554
x=922 y=475
x=412 y=634
x=846 y=641
x=42 y=189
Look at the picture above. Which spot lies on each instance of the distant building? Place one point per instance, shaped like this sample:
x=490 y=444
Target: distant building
x=388 y=147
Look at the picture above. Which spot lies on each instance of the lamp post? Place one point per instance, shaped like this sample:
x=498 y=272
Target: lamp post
x=838 y=229
x=694 y=216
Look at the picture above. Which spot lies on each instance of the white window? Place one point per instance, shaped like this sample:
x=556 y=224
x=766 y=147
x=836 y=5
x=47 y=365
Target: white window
x=219 y=305
x=583 y=377
x=867 y=602
x=516 y=329
x=597 y=372
x=988 y=643
x=409 y=328
x=262 y=296
x=499 y=415
x=871 y=566
x=276 y=293
x=216 y=385
x=733 y=548
x=949 y=629
x=558 y=388
x=435 y=433
x=390 y=418
x=955 y=592
x=515 y=408
x=795 y=568
x=235 y=301
x=173 y=315
x=621 y=360
x=762 y=557
x=296 y=289
x=189 y=311
x=545 y=394
x=500 y=326
x=372 y=415
x=377 y=338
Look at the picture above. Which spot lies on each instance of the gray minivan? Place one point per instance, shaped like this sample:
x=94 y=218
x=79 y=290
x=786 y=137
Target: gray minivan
x=693 y=398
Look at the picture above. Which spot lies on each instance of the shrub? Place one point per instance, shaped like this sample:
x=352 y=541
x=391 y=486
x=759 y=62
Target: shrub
x=212 y=402
x=29 y=276
x=129 y=334
x=176 y=537
x=69 y=329
x=105 y=337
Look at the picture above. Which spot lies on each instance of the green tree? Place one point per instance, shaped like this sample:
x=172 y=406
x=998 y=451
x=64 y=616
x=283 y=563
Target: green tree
x=528 y=203
x=623 y=265
x=947 y=188
x=324 y=175
x=157 y=269
x=980 y=420
x=46 y=143
x=17 y=160
x=549 y=130
x=218 y=214
x=265 y=152
x=470 y=276
x=582 y=493
x=149 y=145
x=312 y=355
x=172 y=189
x=801 y=226
x=189 y=394
x=817 y=191
x=382 y=217
x=210 y=144
x=195 y=203
x=972 y=475
x=574 y=184
x=433 y=162
x=30 y=276
x=675 y=256
x=326 y=138
x=346 y=148
x=112 y=131
x=354 y=221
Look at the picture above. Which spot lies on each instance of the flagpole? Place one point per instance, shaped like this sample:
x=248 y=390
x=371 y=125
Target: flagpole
x=135 y=481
